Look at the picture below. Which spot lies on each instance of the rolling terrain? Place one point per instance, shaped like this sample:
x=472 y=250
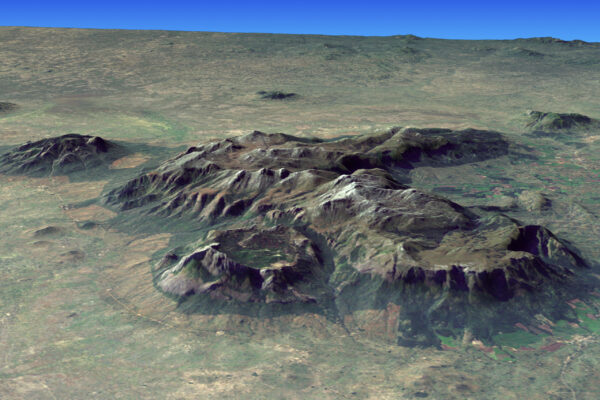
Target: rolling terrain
x=297 y=216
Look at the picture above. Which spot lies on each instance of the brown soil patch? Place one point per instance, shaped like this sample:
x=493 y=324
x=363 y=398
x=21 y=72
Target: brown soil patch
x=93 y=212
x=150 y=244
x=61 y=187
x=591 y=139
x=216 y=384
x=25 y=387
x=130 y=161
x=129 y=284
x=77 y=191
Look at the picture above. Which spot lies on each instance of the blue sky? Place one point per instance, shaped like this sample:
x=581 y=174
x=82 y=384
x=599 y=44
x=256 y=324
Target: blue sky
x=428 y=18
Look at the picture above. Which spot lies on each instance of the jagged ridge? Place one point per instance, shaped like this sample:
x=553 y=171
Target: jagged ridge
x=60 y=155
x=306 y=220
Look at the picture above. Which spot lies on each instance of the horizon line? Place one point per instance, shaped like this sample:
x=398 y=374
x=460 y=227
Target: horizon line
x=292 y=33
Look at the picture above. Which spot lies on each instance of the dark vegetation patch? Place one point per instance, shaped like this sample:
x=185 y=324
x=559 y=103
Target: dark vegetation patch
x=7 y=107
x=412 y=55
x=552 y=40
x=276 y=95
x=520 y=52
x=72 y=256
x=47 y=231
x=338 y=51
x=548 y=122
x=87 y=225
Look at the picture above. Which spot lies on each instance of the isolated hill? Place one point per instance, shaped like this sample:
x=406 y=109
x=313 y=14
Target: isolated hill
x=539 y=121
x=60 y=155
x=330 y=223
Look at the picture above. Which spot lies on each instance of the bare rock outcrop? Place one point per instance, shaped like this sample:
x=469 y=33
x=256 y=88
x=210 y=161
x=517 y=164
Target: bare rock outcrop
x=307 y=221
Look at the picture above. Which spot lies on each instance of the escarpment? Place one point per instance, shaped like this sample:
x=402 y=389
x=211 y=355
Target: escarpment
x=283 y=220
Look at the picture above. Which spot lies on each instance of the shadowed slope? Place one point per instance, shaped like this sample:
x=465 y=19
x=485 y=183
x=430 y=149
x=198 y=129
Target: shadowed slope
x=555 y=122
x=60 y=155
x=291 y=220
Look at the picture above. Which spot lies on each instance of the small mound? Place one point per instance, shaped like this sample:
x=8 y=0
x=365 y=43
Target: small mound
x=43 y=244
x=71 y=257
x=276 y=95
x=7 y=107
x=47 y=231
x=87 y=225
x=539 y=121
x=524 y=52
x=534 y=201
x=60 y=155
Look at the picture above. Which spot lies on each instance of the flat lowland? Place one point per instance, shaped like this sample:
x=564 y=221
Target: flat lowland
x=83 y=309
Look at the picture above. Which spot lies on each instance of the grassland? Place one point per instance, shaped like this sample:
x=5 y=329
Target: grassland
x=79 y=317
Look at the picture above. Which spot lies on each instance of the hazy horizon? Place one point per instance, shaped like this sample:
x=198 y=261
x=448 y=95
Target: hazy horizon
x=467 y=20
x=303 y=34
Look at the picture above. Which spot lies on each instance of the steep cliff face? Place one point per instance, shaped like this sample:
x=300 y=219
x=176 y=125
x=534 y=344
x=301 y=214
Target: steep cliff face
x=276 y=264
x=288 y=220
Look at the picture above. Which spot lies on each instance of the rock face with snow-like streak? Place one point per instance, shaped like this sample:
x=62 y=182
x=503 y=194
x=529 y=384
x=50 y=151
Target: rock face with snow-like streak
x=294 y=220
